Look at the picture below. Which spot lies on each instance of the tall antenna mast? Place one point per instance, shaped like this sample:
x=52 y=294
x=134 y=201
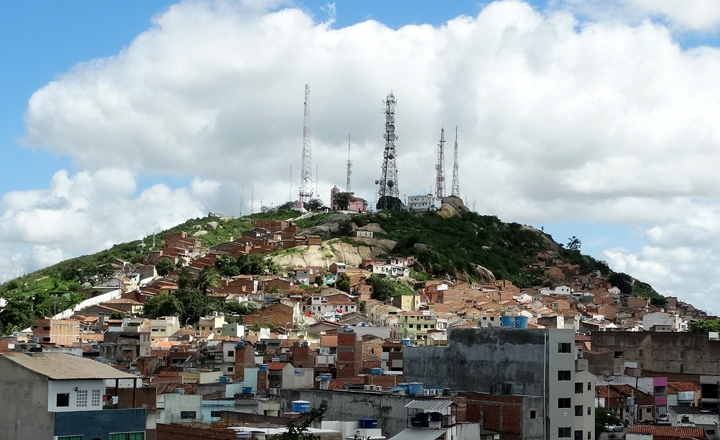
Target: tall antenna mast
x=349 y=167
x=306 y=187
x=456 y=178
x=388 y=185
x=440 y=167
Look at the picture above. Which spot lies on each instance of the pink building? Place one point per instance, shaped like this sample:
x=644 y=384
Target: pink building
x=356 y=203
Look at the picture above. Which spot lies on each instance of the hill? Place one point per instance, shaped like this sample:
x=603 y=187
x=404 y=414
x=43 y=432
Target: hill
x=465 y=245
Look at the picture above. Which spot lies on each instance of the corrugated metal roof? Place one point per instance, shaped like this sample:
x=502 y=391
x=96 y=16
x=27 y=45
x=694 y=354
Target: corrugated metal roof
x=62 y=366
x=430 y=404
x=419 y=434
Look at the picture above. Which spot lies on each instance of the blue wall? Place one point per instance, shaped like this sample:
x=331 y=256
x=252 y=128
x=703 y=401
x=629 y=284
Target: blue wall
x=99 y=424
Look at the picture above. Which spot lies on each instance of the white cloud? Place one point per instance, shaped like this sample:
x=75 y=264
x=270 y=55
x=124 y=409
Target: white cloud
x=559 y=120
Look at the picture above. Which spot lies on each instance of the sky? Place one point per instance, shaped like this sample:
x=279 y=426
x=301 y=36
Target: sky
x=588 y=118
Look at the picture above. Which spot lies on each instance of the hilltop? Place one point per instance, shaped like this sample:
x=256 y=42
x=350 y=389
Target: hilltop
x=452 y=243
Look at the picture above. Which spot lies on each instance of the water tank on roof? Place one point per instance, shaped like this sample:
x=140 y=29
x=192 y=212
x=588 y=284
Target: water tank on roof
x=415 y=388
x=407 y=342
x=507 y=321
x=376 y=371
x=240 y=344
x=247 y=390
x=176 y=349
x=179 y=390
x=262 y=367
x=436 y=417
x=301 y=406
x=367 y=423
x=521 y=321
x=305 y=343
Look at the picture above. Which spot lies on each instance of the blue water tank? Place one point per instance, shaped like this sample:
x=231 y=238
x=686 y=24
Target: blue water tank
x=262 y=367
x=436 y=417
x=301 y=406
x=376 y=371
x=305 y=343
x=325 y=376
x=240 y=344
x=407 y=342
x=521 y=321
x=223 y=379
x=100 y=359
x=415 y=388
x=179 y=391
x=507 y=321
x=367 y=423
x=176 y=349
x=247 y=390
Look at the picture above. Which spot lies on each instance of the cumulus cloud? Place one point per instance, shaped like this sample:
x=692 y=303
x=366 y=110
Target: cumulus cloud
x=559 y=119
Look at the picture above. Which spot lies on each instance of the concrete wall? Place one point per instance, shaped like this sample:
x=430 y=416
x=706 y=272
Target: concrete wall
x=175 y=403
x=27 y=417
x=350 y=405
x=688 y=353
x=304 y=380
x=481 y=360
x=56 y=387
x=561 y=389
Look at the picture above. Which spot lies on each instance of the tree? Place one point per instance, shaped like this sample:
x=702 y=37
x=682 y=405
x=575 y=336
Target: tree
x=162 y=305
x=604 y=416
x=574 y=243
x=195 y=305
x=164 y=266
x=343 y=282
x=622 y=281
x=389 y=202
x=255 y=264
x=314 y=205
x=185 y=279
x=298 y=429
x=227 y=266
x=384 y=288
x=708 y=325
x=342 y=200
x=319 y=280
x=207 y=278
x=287 y=206
x=117 y=315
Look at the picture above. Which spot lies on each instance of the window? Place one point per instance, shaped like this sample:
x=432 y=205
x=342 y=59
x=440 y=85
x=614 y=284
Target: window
x=533 y=414
x=231 y=353
x=187 y=414
x=95 y=398
x=128 y=436
x=564 y=347
x=589 y=410
x=231 y=369
x=589 y=386
x=564 y=403
x=564 y=375
x=215 y=413
x=563 y=432
x=578 y=410
x=63 y=399
x=71 y=437
x=589 y=436
x=578 y=387
x=81 y=398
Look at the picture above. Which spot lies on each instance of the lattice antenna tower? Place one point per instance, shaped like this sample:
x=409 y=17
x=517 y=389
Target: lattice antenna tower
x=349 y=168
x=306 y=183
x=440 y=167
x=456 y=177
x=388 y=184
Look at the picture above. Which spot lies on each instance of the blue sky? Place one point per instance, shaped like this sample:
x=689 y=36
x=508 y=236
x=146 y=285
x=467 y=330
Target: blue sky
x=573 y=131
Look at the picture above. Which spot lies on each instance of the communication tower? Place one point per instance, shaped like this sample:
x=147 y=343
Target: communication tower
x=349 y=167
x=306 y=184
x=440 y=167
x=456 y=177
x=388 y=184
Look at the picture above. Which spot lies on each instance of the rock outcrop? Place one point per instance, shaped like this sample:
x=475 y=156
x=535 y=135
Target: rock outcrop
x=333 y=251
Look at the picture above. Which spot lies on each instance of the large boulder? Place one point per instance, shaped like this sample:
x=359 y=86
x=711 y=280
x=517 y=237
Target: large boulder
x=372 y=227
x=329 y=227
x=482 y=274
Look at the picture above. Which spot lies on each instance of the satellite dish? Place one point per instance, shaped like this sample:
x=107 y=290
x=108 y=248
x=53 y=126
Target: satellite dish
x=390 y=183
x=377 y=182
x=390 y=119
x=391 y=128
x=385 y=136
x=391 y=156
x=392 y=136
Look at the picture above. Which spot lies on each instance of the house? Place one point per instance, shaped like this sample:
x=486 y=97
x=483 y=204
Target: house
x=56 y=331
x=355 y=204
x=651 y=320
x=61 y=396
x=212 y=323
x=164 y=327
x=423 y=203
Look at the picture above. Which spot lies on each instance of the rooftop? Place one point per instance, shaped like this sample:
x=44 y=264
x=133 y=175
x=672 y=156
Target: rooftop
x=62 y=366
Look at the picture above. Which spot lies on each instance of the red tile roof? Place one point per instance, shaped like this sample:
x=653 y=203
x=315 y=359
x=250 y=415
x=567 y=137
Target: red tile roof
x=670 y=431
x=276 y=366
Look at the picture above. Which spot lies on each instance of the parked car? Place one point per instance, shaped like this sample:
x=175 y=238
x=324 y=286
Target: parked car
x=663 y=418
x=614 y=428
